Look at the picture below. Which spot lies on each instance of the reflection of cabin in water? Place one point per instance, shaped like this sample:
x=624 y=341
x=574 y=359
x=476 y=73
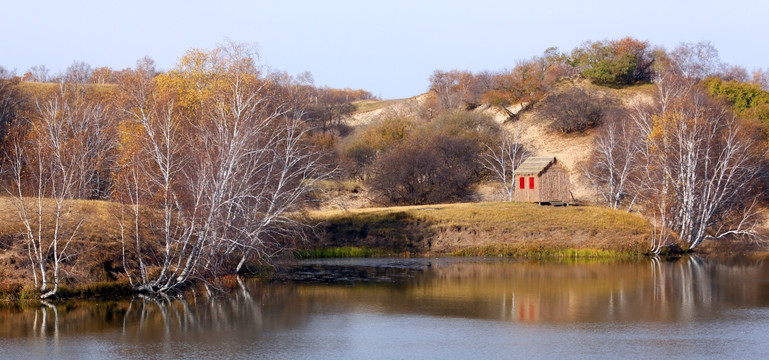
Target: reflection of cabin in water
x=542 y=179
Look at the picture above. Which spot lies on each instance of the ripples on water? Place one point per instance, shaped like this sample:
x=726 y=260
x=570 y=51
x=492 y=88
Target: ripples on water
x=427 y=308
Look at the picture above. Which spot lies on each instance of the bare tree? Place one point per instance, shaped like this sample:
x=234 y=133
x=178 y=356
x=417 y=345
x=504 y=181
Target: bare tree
x=502 y=159
x=149 y=176
x=10 y=99
x=39 y=73
x=733 y=72
x=451 y=88
x=527 y=83
x=50 y=166
x=694 y=60
x=222 y=181
x=147 y=66
x=429 y=167
x=78 y=73
x=698 y=163
x=574 y=110
x=761 y=78
x=613 y=160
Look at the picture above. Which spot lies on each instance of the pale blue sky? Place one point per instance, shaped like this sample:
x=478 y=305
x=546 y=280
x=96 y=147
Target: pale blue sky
x=387 y=47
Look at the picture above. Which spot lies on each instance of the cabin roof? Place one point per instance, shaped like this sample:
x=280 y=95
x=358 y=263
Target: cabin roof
x=535 y=165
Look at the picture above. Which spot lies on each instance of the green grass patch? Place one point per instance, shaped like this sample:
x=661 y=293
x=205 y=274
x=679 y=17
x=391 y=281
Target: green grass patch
x=337 y=252
x=544 y=253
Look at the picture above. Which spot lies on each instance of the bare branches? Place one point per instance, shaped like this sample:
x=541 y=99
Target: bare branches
x=613 y=160
x=216 y=170
x=502 y=160
x=53 y=163
x=689 y=160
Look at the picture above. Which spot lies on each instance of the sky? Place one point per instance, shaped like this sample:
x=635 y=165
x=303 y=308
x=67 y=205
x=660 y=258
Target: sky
x=389 y=48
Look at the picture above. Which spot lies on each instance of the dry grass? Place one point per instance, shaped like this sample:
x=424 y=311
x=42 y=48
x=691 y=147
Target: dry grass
x=511 y=228
x=368 y=111
x=37 y=88
x=90 y=257
x=98 y=218
x=363 y=106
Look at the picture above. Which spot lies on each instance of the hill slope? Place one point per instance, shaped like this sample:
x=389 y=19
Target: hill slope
x=536 y=135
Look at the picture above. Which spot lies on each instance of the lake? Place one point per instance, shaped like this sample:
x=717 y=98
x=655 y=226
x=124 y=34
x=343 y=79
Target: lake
x=426 y=308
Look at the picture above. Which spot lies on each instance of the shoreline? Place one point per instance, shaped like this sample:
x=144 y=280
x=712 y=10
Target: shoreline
x=462 y=230
x=480 y=229
x=117 y=291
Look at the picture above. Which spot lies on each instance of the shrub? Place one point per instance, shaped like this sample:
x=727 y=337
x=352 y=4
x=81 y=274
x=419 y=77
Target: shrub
x=747 y=100
x=574 y=110
x=473 y=126
x=427 y=168
x=9 y=288
x=363 y=147
x=617 y=62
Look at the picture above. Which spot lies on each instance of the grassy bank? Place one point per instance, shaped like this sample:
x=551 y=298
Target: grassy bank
x=484 y=229
x=471 y=229
x=92 y=258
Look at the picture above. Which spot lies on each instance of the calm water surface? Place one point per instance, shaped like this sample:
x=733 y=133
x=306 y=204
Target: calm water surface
x=427 y=308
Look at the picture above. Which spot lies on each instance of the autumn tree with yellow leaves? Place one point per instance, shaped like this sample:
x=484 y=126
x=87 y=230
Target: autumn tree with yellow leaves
x=216 y=153
x=691 y=164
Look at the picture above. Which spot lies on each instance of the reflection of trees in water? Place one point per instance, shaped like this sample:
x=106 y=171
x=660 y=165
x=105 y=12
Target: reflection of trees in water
x=649 y=290
x=565 y=292
x=690 y=286
x=145 y=319
x=201 y=316
x=51 y=320
x=680 y=290
x=46 y=322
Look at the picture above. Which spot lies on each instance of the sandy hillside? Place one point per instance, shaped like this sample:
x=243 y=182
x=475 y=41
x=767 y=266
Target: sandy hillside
x=570 y=149
x=379 y=108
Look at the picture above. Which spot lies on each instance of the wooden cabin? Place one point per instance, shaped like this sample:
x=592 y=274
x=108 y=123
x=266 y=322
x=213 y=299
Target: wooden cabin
x=542 y=179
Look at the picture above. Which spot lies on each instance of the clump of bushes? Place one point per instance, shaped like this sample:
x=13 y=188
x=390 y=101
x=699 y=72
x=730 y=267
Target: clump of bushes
x=747 y=100
x=615 y=63
x=426 y=169
x=361 y=149
x=408 y=162
x=574 y=110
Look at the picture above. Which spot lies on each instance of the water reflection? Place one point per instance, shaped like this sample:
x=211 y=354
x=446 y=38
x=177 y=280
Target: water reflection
x=689 y=290
x=650 y=290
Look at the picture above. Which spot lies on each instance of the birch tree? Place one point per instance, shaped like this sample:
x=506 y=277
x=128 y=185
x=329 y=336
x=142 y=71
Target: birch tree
x=698 y=163
x=614 y=158
x=50 y=166
x=502 y=159
x=220 y=162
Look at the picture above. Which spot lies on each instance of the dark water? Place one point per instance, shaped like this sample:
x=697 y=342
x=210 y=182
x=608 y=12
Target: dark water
x=427 y=308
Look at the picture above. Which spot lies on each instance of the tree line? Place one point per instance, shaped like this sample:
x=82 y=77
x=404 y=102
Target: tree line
x=208 y=163
x=613 y=63
x=691 y=157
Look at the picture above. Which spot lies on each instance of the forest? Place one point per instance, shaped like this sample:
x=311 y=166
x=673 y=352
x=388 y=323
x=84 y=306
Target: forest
x=208 y=169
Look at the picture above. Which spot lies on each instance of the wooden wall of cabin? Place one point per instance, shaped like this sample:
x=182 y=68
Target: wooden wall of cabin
x=526 y=194
x=554 y=185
